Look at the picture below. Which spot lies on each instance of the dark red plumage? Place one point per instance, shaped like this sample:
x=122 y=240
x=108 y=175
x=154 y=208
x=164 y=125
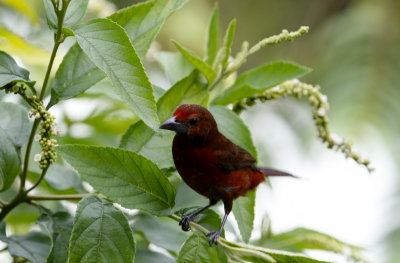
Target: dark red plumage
x=209 y=163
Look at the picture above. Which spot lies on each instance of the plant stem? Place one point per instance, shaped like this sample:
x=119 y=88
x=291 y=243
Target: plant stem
x=57 y=197
x=44 y=171
x=20 y=198
x=50 y=66
x=27 y=153
x=22 y=194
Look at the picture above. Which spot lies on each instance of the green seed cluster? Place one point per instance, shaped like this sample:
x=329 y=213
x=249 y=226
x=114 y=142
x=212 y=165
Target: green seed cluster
x=46 y=132
x=47 y=126
x=15 y=87
x=320 y=106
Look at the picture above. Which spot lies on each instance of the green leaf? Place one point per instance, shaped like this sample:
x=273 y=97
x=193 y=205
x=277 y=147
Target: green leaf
x=225 y=51
x=213 y=36
x=34 y=246
x=108 y=46
x=196 y=249
x=186 y=91
x=15 y=122
x=175 y=66
x=300 y=239
x=150 y=256
x=160 y=232
x=59 y=226
x=234 y=128
x=75 y=12
x=243 y=209
x=101 y=233
x=51 y=16
x=75 y=75
x=10 y=71
x=259 y=79
x=62 y=177
x=125 y=177
x=199 y=64
x=9 y=162
x=143 y=21
x=156 y=146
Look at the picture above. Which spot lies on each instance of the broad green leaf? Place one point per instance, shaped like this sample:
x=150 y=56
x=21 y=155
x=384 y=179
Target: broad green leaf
x=199 y=64
x=161 y=232
x=15 y=122
x=175 y=66
x=10 y=71
x=234 y=128
x=150 y=256
x=51 y=16
x=156 y=146
x=243 y=209
x=62 y=177
x=34 y=246
x=158 y=92
x=75 y=75
x=100 y=234
x=108 y=46
x=125 y=177
x=213 y=36
x=259 y=79
x=75 y=12
x=142 y=22
x=59 y=226
x=186 y=91
x=227 y=45
x=196 y=249
x=300 y=239
x=9 y=162
x=187 y=197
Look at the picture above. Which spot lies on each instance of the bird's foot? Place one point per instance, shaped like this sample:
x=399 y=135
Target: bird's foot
x=213 y=236
x=185 y=222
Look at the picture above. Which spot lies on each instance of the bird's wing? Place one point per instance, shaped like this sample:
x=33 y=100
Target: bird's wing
x=234 y=158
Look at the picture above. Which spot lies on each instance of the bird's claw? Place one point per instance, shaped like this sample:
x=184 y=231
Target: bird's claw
x=213 y=236
x=185 y=222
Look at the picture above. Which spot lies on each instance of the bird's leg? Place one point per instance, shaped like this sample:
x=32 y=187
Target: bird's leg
x=184 y=222
x=214 y=235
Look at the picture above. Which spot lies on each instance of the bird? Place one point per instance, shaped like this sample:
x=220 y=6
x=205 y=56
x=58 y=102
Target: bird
x=210 y=163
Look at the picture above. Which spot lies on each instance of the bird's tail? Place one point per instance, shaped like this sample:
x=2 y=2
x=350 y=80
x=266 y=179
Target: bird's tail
x=272 y=172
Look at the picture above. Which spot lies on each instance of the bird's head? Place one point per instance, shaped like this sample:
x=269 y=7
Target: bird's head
x=192 y=120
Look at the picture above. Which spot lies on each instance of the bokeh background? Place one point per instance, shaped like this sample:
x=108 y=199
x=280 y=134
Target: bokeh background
x=354 y=50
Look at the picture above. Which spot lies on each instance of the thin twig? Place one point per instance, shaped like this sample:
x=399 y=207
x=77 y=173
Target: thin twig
x=57 y=197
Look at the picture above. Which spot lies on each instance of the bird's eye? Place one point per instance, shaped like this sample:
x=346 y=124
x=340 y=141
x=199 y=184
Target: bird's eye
x=193 y=121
